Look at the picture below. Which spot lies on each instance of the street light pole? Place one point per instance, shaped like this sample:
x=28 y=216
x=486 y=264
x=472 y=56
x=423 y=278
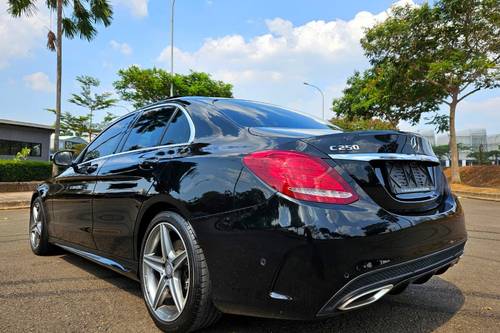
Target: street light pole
x=172 y=51
x=322 y=98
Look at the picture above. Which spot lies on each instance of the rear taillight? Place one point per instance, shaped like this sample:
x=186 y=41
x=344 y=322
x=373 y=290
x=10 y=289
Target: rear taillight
x=300 y=176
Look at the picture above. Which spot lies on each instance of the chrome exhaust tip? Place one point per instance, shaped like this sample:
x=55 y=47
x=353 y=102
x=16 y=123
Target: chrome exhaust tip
x=365 y=298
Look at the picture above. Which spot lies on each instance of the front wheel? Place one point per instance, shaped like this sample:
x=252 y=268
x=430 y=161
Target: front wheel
x=174 y=276
x=39 y=236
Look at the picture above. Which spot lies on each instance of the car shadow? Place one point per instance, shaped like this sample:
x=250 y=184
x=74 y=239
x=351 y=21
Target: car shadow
x=421 y=308
x=103 y=273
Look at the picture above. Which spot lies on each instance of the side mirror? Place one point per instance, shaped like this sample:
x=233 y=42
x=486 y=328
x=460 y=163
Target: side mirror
x=63 y=158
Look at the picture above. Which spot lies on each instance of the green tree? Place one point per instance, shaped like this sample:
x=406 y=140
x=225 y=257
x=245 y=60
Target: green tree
x=495 y=154
x=426 y=56
x=480 y=156
x=75 y=18
x=145 y=86
x=442 y=151
x=92 y=101
x=72 y=125
x=360 y=124
x=78 y=125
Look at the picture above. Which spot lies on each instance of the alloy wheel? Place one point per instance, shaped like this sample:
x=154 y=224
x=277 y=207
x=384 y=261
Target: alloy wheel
x=36 y=225
x=165 y=271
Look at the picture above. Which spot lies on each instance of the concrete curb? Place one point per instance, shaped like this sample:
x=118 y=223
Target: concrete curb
x=18 y=186
x=14 y=204
x=478 y=195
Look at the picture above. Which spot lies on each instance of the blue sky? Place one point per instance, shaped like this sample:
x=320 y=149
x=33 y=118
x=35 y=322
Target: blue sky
x=266 y=49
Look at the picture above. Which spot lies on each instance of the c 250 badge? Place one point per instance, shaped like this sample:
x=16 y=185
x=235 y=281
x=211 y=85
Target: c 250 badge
x=344 y=147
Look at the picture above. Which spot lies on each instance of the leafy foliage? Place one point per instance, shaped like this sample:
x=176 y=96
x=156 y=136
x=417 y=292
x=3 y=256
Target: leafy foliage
x=23 y=154
x=359 y=124
x=89 y=100
x=81 y=21
x=495 y=155
x=145 y=86
x=79 y=125
x=480 y=156
x=442 y=151
x=19 y=171
x=92 y=101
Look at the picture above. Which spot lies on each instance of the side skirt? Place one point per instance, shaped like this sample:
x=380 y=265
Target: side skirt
x=125 y=268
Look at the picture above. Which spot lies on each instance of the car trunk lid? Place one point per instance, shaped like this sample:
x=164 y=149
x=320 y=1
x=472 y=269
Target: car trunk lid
x=398 y=170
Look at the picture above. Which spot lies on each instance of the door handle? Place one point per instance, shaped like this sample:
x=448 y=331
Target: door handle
x=149 y=163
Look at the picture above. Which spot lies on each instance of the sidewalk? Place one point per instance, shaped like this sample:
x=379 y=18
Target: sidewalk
x=11 y=200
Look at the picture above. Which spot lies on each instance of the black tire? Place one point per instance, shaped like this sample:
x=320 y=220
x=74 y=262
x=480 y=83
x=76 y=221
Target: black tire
x=42 y=247
x=199 y=311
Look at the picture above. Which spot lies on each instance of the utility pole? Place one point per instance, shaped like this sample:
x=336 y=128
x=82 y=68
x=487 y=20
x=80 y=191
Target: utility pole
x=172 y=51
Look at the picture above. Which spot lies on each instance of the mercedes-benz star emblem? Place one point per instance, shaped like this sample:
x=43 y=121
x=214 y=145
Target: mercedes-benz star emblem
x=414 y=143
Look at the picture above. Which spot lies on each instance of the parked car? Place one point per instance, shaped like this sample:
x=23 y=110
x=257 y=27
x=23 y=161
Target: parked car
x=232 y=206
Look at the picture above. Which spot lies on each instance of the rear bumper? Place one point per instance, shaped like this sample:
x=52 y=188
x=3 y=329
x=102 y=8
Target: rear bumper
x=287 y=259
x=403 y=273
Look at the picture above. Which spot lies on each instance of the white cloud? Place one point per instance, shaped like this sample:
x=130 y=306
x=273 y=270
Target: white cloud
x=39 y=81
x=20 y=36
x=138 y=8
x=273 y=66
x=124 y=48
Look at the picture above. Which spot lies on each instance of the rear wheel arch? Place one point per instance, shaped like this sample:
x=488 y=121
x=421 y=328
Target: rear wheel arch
x=144 y=219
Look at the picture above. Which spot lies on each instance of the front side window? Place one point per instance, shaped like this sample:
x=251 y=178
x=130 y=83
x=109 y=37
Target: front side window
x=149 y=128
x=107 y=141
x=178 y=130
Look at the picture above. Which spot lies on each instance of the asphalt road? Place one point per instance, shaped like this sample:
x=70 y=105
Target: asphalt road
x=66 y=293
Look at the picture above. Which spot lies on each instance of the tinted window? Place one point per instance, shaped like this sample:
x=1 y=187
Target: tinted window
x=178 y=130
x=251 y=114
x=108 y=140
x=148 y=129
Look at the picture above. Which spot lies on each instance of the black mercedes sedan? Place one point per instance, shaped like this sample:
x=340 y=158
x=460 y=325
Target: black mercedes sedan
x=232 y=206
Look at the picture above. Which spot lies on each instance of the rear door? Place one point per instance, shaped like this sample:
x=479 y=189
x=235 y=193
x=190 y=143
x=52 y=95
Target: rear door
x=124 y=180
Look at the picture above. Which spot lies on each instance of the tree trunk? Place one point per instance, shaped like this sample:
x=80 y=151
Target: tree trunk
x=455 y=172
x=58 y=84
x=90 y=126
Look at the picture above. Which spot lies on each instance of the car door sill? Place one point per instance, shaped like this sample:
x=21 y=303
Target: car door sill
x=101 y=260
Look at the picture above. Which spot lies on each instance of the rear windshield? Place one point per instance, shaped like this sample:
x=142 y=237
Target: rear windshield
x=252 y=114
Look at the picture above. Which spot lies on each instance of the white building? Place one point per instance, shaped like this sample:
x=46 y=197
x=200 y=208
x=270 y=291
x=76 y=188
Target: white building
x=68 y=141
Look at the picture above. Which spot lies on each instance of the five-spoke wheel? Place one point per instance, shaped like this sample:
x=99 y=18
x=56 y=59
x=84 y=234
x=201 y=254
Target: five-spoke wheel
x=174 y=275
x=36 y=225
x=165 y=268
x=38 y=235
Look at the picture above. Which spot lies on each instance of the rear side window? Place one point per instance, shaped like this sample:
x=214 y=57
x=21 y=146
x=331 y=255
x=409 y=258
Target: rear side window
x=178 y=130
x=149 y=128
x=252 y=114
x=107 y=141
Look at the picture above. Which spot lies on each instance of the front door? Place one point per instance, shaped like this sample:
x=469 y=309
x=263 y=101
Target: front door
x=72 y=199
x=72 y=204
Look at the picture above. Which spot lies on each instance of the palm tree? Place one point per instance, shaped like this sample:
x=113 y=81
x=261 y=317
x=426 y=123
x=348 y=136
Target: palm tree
x=80 y=19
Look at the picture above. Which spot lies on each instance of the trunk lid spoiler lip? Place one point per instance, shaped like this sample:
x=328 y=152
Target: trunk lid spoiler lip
x=384 y=157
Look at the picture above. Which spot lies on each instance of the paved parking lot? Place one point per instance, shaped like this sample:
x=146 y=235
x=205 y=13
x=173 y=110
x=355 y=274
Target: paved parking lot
x=66 y=293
